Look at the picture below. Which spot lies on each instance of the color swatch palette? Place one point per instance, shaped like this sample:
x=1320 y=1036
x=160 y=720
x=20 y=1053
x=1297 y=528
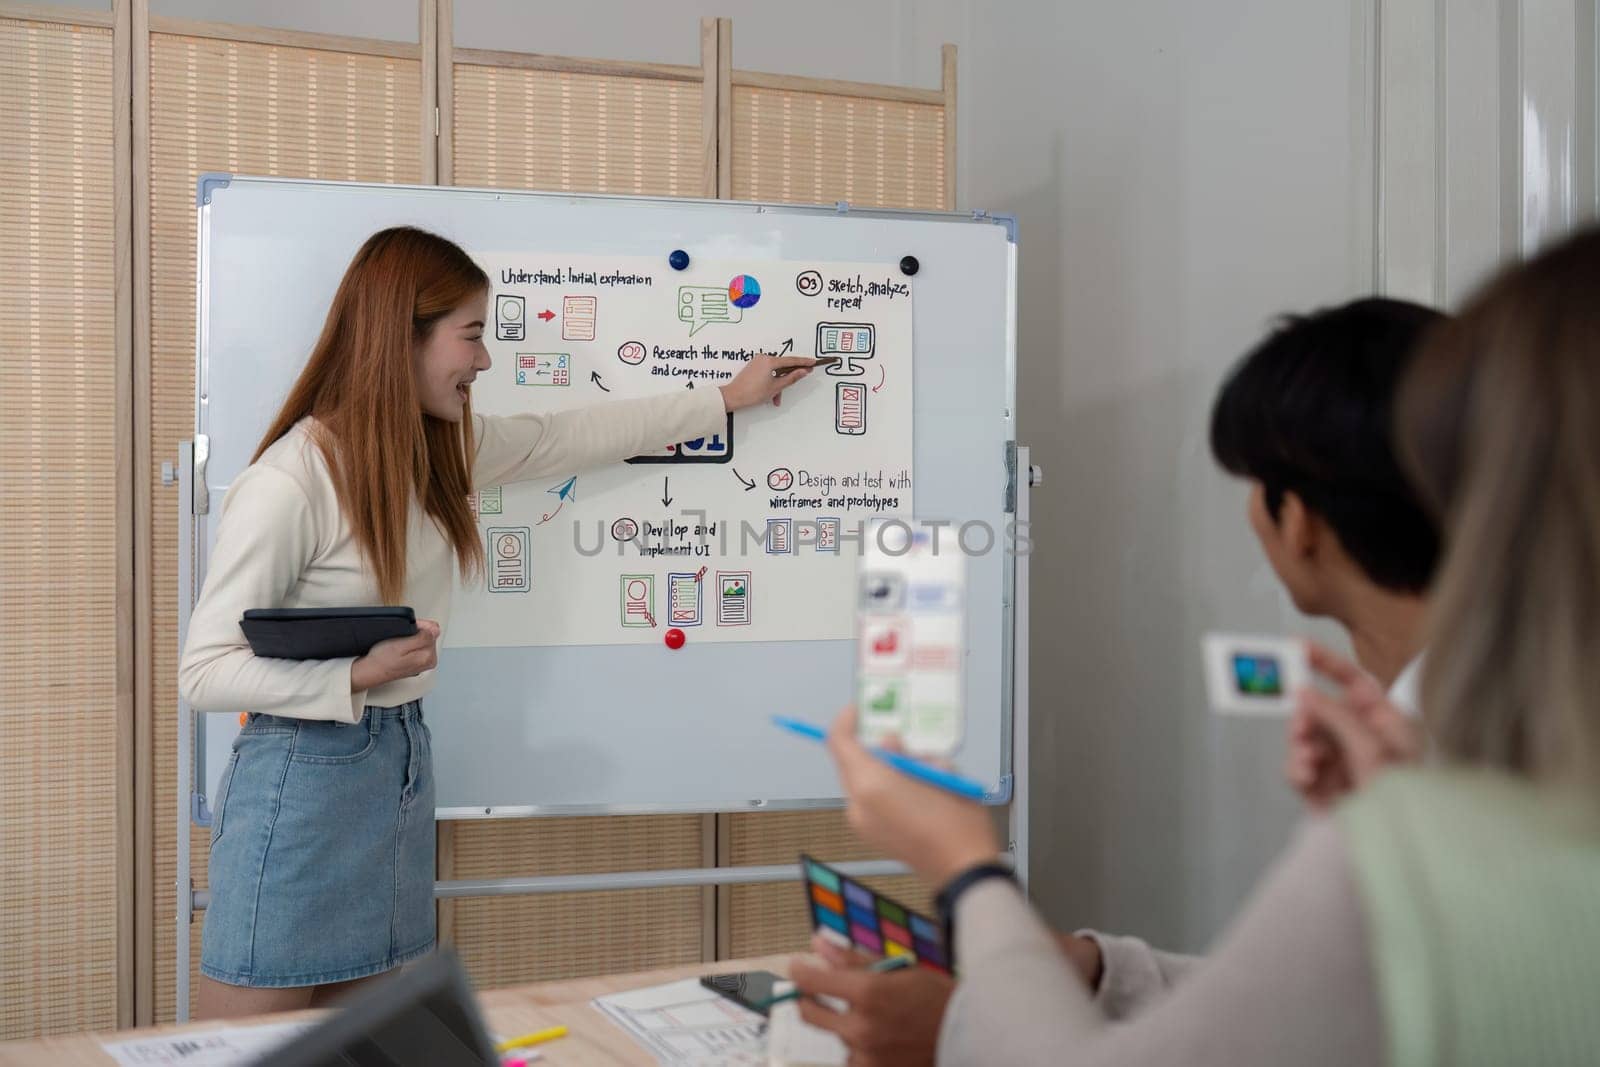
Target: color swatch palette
x=852 y=915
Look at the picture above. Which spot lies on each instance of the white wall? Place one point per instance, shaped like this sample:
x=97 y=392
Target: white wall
x=1487 y=136
x=1183 y=173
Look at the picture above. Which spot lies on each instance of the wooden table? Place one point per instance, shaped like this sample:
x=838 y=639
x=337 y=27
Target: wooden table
x=594 y=1041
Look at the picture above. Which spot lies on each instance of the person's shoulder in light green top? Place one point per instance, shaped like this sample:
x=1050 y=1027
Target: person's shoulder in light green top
x=1482 y=895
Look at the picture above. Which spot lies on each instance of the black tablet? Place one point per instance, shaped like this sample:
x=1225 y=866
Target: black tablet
x=323 y=633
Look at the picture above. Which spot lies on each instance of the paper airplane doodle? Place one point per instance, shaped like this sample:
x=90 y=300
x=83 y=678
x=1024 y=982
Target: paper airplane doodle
x=567 y=490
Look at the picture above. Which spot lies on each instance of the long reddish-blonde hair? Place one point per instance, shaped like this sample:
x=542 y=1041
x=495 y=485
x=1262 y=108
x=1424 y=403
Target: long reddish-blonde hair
x=382 y=449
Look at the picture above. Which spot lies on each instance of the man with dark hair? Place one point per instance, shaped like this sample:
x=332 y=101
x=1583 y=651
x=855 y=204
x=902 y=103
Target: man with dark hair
x=1305 y=418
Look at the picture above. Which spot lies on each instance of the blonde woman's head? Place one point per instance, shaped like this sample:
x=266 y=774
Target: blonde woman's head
x=1499 y=425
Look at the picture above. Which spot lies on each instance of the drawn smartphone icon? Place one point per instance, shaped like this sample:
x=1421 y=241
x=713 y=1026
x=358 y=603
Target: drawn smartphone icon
x=778 y=536
x=511 y=314
x=850 y=408
x=683 y=599
x=828 y=535
x=508 y=559
x=638 y=599
x=733 y=598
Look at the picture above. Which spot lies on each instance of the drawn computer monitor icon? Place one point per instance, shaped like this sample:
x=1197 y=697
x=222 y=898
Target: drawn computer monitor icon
x=852 y=342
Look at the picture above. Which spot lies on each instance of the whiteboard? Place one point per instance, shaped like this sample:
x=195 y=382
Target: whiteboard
x=747 y=533
x=609 y=729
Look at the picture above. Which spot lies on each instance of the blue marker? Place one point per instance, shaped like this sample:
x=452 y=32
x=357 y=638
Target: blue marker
x=956 y=784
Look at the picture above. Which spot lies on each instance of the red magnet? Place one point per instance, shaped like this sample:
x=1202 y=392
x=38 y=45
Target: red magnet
x=674 y=638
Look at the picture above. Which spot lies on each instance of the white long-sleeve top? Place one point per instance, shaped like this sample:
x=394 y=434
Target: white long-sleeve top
x=1292 y=981
x=1133 y=976
x=283 y=542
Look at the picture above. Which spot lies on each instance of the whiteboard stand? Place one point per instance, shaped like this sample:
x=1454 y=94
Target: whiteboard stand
x=252 y=207
x=187 y=794
x=1027 y=477
x=193 y=809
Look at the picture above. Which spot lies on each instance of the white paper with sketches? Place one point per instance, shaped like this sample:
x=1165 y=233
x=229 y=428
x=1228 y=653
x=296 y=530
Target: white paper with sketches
x=222 y=1047
x=793 y=1042
x=686 y=1024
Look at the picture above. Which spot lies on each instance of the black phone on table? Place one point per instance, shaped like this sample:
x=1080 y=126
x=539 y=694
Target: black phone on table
x=749 y=989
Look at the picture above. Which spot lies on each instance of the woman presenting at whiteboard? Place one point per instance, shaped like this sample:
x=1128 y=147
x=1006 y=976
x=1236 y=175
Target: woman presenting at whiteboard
x=322 y=857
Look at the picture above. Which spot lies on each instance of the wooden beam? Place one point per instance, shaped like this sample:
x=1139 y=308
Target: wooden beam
x=830 y=87
x=143 y=530
x=446 y=35
x=611 y=68
x=445 y=867
x=124 y=474
x=724 y=892
x=725 y=108
x=708 y=894
x=325 y=42
x=428 y=107
x=948 y=88
x=69 y=16
x=709 y=105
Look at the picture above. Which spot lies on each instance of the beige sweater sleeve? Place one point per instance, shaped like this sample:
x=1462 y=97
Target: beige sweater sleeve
x=1291 y=981
x=1133 y=975
x=266 y=536
x=516 y=448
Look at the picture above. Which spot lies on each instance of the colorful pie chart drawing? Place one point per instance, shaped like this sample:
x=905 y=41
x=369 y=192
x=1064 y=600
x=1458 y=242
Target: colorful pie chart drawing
x=744 y=291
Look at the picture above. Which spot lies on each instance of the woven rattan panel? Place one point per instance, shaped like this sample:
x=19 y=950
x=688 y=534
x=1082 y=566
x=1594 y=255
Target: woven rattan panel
x=773 y=918
x=251 y=109
x=535 y=129
x=791 y=145
x=807 y=147
x=58 y=552
x=589 y=133
x=506 y=940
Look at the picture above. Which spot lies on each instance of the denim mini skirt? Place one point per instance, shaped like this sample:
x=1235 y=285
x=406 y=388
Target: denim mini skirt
x=322 y=851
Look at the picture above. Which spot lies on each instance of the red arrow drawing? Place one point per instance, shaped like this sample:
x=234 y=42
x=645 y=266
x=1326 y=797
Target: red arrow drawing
x=881 y=376
x=547 y=314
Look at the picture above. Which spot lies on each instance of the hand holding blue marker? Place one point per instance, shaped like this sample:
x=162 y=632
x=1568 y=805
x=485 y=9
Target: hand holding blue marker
x=964 y=787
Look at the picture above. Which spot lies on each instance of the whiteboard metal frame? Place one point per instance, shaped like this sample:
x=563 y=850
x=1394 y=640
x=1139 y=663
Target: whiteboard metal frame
x=194 y=510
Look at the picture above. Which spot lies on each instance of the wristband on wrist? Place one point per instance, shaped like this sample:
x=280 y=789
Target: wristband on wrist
x=951 y=893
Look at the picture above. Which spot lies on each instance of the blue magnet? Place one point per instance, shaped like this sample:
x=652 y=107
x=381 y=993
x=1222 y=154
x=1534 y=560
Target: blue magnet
x=679 y=259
